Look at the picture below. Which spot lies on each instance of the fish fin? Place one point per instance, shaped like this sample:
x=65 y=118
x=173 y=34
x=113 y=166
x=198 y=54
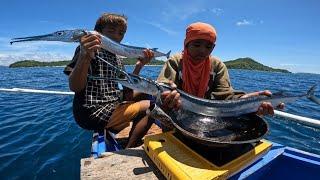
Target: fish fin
x=168 y=54
x=154 y=49
x=311 y=96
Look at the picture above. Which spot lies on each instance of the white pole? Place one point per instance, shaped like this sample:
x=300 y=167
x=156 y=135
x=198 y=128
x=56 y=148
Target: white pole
x=300 y=119
x=36 y=91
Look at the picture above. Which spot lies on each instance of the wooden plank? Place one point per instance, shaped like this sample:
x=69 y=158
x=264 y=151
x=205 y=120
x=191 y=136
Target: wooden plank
x=125 y=164
x=122 y=136
x=125 y=132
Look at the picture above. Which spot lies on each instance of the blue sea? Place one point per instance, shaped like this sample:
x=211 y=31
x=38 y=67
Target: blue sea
x=40 y=140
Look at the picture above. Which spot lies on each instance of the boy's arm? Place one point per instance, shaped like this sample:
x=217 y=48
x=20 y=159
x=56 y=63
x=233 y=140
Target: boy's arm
x=148 y=55
x=78 y=77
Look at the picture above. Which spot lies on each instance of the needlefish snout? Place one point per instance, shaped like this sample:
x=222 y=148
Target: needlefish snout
x=63 y=36
x=106 y=43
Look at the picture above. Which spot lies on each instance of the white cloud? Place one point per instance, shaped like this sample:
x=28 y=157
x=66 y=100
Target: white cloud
x=6 y=59
x=162 y=28
x=217 y=11
x=180 y=13
x=183 y=11
x=291 y=64
x=244 y=22
x=297 y=67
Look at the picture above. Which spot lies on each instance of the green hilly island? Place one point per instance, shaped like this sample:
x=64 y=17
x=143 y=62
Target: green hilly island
x=33 y=63
x=240 y=63
x=250 y=64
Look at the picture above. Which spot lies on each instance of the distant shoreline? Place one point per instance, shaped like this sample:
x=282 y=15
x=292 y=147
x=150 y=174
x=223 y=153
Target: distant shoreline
x=33 y=63
x=240 y=63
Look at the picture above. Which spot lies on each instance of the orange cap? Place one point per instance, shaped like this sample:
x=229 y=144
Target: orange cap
x=200 y=30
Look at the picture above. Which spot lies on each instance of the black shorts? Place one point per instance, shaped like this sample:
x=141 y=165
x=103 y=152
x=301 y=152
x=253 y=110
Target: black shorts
x=85 y=118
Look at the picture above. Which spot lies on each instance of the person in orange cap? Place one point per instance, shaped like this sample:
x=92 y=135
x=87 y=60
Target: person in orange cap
x=198 y=73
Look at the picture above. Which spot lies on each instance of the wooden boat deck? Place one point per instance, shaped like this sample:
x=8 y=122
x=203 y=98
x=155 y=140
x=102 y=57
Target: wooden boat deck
x=131 y=163
x=122 y=136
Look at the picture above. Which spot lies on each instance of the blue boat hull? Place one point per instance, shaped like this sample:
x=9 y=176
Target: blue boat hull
x=283 y=163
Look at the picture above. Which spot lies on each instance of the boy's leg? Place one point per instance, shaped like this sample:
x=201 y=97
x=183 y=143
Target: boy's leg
x=139 y=130
x=140 y=126
x=122 y=116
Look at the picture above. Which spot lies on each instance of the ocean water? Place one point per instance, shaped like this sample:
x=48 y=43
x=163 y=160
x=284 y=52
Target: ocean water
x=40 y=140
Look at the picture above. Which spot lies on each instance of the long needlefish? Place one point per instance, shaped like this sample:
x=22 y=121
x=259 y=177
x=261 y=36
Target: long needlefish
x=206 y=130
x=107 y=43
x=216 y=108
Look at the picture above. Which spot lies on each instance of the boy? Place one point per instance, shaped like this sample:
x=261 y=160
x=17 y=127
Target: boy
x=98 y=104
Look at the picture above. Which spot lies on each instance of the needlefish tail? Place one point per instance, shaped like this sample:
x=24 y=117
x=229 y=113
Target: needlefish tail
x=311 y=96
x=168 y=54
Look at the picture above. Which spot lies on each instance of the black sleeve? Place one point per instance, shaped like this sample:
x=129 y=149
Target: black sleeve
x=68 y=69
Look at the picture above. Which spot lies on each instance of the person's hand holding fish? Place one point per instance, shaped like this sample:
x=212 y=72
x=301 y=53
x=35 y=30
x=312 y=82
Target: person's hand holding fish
x=89 y=45
x=171 y=99
x=265 y=108
x=148 y=56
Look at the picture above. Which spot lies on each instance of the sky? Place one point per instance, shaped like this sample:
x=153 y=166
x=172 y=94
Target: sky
x=278 y=33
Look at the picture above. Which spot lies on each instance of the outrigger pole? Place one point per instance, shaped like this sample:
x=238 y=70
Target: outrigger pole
x=303 y=120
x=36 y=91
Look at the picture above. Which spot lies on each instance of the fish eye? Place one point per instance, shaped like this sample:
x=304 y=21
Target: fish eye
x=59 y=33
x=135 y=80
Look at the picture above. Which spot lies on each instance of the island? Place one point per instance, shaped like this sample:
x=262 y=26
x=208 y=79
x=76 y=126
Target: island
x=250 y=64
x=33 y=63
x=240 y=63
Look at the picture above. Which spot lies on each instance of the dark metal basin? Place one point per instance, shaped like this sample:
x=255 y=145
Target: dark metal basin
x=215 y=131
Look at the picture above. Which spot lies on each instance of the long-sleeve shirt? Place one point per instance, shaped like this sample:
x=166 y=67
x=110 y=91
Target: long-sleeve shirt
x=219 y=86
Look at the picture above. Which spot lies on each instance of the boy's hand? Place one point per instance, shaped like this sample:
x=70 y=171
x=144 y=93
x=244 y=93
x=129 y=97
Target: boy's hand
x=89 y=44
x=171 y=99
x=265 y=108
x=148 y=55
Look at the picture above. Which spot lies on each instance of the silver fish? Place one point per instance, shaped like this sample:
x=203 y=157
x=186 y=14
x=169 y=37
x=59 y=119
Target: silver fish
x=216 y=108
x=107 y=43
